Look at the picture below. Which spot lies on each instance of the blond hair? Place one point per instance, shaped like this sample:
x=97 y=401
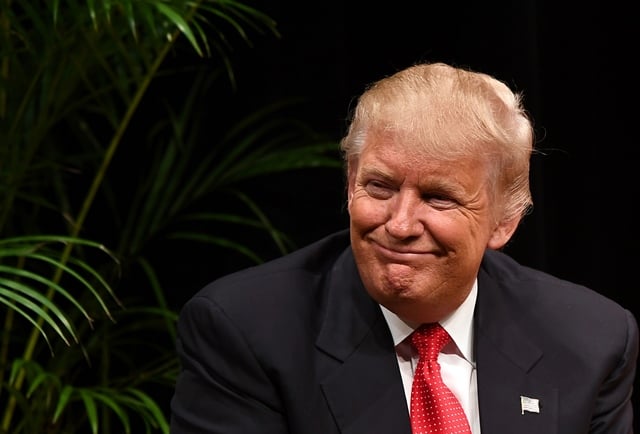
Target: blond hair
x=449 y=113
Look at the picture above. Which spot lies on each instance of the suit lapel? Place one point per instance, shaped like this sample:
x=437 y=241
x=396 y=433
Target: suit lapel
x=506 y=359
x=362 y=384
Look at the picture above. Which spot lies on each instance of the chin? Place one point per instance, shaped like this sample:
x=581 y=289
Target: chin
x=400 y=276
x=397 y=290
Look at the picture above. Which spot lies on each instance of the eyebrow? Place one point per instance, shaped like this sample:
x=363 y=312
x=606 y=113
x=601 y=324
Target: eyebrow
x=374 y=171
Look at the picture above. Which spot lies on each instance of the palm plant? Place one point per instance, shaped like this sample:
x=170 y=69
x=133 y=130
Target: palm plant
x=87 y=341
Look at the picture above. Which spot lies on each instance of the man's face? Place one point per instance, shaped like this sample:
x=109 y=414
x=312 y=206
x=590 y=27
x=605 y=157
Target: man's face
x=419 y=228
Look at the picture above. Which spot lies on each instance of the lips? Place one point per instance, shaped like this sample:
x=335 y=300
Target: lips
x=399 y=253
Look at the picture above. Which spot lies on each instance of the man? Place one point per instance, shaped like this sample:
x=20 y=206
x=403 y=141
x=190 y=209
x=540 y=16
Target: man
x=321 y=340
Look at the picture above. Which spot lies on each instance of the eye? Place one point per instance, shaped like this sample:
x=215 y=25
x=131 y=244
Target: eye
x=440 y=201
x=378 y=189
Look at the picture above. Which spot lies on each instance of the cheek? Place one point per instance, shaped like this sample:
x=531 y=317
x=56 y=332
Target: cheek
x=366 y=213
x=448 y=230
x=458 y=233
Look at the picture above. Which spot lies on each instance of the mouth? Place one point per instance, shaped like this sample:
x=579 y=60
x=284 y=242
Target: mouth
x=399 y=254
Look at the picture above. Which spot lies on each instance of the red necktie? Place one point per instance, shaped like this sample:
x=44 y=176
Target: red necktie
x=434 y=408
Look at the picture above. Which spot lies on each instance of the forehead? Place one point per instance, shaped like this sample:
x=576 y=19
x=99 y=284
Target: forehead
x=387 y=152
x=465 y=179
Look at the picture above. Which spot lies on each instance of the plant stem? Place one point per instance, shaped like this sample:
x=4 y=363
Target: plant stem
x=84 y=211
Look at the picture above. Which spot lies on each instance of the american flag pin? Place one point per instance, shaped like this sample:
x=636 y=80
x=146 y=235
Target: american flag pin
x=532 y=405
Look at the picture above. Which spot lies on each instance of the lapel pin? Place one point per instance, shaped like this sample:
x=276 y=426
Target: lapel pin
x=531 y=405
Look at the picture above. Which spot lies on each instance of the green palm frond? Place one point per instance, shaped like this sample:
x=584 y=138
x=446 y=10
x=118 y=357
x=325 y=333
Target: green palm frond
x=180 y=176
x=84 y=66
x=89 y=404
x=27 y=265
x=88 y=330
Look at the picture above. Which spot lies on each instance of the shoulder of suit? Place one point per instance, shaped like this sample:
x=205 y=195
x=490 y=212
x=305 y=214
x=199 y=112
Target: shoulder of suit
x=508 y=273
x=312 y=259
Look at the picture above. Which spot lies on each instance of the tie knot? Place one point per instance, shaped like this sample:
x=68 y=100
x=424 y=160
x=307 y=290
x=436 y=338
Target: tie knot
x=429 y=339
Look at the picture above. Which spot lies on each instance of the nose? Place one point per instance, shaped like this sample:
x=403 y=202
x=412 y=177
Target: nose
x=404 y=219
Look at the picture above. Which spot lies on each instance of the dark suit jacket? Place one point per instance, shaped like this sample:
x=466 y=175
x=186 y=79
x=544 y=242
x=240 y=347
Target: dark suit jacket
x=297 y=346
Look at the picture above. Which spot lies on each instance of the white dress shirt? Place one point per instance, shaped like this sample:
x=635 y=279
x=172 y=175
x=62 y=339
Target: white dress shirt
x=457 y=361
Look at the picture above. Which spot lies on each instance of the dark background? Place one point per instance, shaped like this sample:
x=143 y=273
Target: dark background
x=575 y=66
x=574 y=62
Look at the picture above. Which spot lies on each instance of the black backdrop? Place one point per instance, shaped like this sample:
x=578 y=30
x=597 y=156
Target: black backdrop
x=575 y=63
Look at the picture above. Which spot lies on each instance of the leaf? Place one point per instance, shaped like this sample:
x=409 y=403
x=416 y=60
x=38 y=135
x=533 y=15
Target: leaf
x=178 y=20
x=91 y=409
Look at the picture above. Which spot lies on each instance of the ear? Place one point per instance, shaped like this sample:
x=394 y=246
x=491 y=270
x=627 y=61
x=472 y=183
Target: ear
x=502 y=233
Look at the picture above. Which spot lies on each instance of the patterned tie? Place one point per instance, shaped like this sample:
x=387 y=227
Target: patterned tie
x=434 y=408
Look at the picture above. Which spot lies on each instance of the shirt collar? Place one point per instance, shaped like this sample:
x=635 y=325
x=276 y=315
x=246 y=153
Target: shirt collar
x=459 y=325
